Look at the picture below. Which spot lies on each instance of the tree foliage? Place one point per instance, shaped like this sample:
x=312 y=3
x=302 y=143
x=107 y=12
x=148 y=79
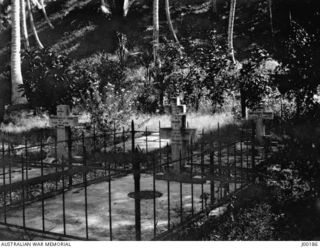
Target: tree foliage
x=98 y=86
x=298 y=77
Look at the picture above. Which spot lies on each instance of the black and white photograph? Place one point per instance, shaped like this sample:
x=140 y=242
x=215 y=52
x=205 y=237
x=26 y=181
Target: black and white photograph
x=159 y=120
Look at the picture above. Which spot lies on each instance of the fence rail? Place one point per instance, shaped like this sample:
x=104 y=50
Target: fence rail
x=120 y=185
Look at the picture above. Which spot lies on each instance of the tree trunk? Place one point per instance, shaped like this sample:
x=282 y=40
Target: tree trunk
x=34 y=30
x=230 y=29
x=125 y=7
x=45 y=15
x=271 y=21
x=167 y=7
x=156 y=32
x=36 y=3
x=214 y=6
x=16 y=75
x=24 y=24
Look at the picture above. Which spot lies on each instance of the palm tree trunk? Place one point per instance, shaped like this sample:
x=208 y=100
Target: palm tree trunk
x=271 y=21
x=16 y=75
x=156 y=32
x=167 y=7
x=24 y=24
x=45 y=14
x=125 y=7
x=230 y=29
x=34 y=30
x=36 y=3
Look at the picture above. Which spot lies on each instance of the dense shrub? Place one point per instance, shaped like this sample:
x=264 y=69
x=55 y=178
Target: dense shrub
x=198 y=73
x=109 y=96
x=47 y=79
x=97 y=85
x=298 y=76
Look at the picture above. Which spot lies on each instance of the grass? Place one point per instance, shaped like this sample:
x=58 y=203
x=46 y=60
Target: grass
x=205 y=122
x=24 y=122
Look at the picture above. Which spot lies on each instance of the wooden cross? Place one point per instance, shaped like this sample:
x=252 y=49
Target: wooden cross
x=63 y=122
x=259 y=115
x=179 y=134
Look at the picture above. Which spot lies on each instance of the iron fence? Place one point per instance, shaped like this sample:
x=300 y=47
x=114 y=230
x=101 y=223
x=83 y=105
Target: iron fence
x=120 y=185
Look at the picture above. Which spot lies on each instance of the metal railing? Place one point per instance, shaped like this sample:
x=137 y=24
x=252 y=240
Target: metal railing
x=56 y=196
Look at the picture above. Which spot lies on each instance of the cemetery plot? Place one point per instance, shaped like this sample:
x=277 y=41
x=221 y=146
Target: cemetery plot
x=14 y=173
x=229 y=164
x=122 y=209
x=89 y=187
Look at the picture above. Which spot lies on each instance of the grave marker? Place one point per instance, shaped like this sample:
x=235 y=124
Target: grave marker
x=259 y=115
x=63 y=123
x=179 y=135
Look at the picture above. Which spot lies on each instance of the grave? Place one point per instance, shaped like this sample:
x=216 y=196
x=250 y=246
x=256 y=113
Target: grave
x=178 y=133
x=63 y=123
x=259 y=116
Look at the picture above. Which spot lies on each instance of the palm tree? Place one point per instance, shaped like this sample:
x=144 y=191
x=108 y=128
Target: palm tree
x=156 y=32
x=167 y=7
x=24 y=24
x=236 y=66
x=45 y=14
x=16 y=75
x=271 y=21
x=125 y=7
x=230 y=29
x=34 y=30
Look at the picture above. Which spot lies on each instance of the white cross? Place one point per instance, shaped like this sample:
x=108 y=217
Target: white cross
x=63 y=118
x=63 y=121
x=178 y=133
x=258 y=116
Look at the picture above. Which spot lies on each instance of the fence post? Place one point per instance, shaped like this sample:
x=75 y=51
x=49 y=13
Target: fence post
x=94 y=148
x=42 y=186
x=212 y=198
x=70 y=156
x=56 y=162
x=4 y=183
x=85 y=184
x=235 y=165
x=10 y=179
x=136 y=177
x=228 y=170
x=154 y=196
x=241 y=157
x=168 y=186
x=202 y=171
x=110 y=205
x=63 y=200
x=23 y=192
x=253 y=147
x=191 y=177
x=27 y=167
x=181 y=192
